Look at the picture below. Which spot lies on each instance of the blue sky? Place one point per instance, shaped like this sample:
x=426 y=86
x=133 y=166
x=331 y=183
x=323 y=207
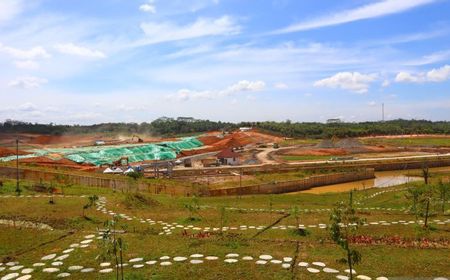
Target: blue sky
x=96 y=61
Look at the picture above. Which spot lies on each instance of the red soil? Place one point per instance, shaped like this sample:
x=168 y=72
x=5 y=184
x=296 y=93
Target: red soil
x=5 y=152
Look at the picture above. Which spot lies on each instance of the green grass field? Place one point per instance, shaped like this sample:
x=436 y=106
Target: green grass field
x=409 y=142
x=408 y=257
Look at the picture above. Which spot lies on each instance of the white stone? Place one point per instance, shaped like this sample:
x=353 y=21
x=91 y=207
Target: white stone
x=87 y=241
x=163 y=258
x=196 y=261
x=11 y=263
x=276 y=261
x=330 y=270
x=363 y=277
x=348 y=271
x=385 y=278
x=136 y=260
x=247 y=258
x=16 y=267
x=84 y=246
x=303 y=264
x=287 y=259
x=68 y=250
x=151 y=262
x=196 y=256
x=261 y=262
x=50 y=270
x=10 y=276
x=25 y=277
x=89 y=236
x=321 y=264
x=57 y=263
x=138 y=266
x=75 y=267
x=313 y=270
x=48 y=257
x=342 y=277
x=165 y=263
x=232 y=255
x=211 y=258
x=179 y=259
x=230 y=260
x=75 y=245
x=38 y=264
x=286 y=265
x=105 y=264
x=62 y=257
x=27 y=270
x=63 y=275
x=88 y=269
x=106 y=270
x=266 y=257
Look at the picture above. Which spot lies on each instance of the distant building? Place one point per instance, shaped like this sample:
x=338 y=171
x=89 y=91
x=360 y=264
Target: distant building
x=334 y=121
x=185 y=119
x=245 y=129
x=228 y=157
x=164 y=119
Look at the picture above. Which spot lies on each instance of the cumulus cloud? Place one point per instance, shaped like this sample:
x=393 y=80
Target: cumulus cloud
x=148 y=7
x=33 y=53
x=435 y=75
x=281 y=86
x=241 y=86
x=353 y=81
x=372 y=10
x=167 y=31
x=72 y=49
x=26 y=64
x=27 y=82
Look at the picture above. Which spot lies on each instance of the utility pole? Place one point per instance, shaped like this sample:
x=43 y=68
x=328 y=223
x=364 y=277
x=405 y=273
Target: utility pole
x=17 y=167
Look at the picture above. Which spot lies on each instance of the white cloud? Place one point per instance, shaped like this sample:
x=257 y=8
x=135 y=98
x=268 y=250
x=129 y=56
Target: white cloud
x=353 y=81
x=241 y=86
x=434 y=75
x=76 y=50
x=27 y=107
x=373 y=10
x=26 y=64
x=167 y=31
x=281 y=86
x=148 y=7
x=9 y=9
x=386 y=83
x=27 y=82
x=33 y=53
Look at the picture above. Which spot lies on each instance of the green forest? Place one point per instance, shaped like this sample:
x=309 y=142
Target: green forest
x=173 y=127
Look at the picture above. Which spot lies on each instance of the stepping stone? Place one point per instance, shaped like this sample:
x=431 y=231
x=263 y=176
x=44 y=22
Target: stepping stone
x=25 y=277
x=86 y=270
x=75 y=245
x=165 y=263
x=84 y=246
x=62 y=257
x=48 y=257
x=348 y=271
x=196 y=261
x=38 y=264
x=105 y=264
x=262 y=262
x=122 y=265
x=151 y=262
x=363 y=277
x=87 y=241
x=266 y=257
x=138 y=266
x=164 y=258
x=63 y=275
x=27 y=271
x=287 y=259
x=136 y=260
x=68 y=250
x=16 y=267
x=313 y=270
x=211 y=258
x=106 y=270
x=75 y=267
x=50 y=270
x=1 y=269
x=385 y=278
x=12 y=263
x=276 y=261
x=321 y=264
x=342 y=277
x=196 y=256
x=89 y=236
x=232 y=255
x=179 y=259
x=10 y=276
x=247 y=258
x=57 y=263
x=303 y=264
x=330 y=270
x=230 y=260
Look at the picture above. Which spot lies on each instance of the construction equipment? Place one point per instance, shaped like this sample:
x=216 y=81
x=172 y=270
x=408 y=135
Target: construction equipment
x=139 y=139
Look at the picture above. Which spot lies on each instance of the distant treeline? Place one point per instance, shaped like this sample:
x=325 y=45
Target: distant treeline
x=288 y=129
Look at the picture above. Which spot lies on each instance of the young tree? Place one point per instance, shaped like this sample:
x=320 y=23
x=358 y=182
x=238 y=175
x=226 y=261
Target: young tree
x=426 y=174
x=444 y=193
x=112 y=246
x=193 y=207
x=91 y=202
x=344 y=224
x=414 y=193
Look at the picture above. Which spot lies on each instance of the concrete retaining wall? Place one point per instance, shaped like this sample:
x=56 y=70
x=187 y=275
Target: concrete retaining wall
x=296 y=185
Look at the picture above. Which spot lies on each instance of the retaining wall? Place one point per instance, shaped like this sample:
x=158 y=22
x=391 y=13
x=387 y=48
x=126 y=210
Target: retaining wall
x=296 y=185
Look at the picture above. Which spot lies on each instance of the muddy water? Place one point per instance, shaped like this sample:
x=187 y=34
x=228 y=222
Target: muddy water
x=382 y=180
